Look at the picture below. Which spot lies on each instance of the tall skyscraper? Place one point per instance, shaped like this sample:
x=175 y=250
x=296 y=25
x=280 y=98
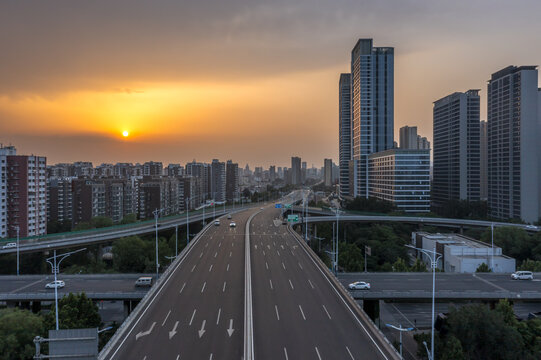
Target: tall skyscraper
x=456 y=167
x=408 y=137
x=4 y=153
x=372 y=106
x=514 y=119
x=231 y=181
x=483 y=160
x=344 y=131
x=218 y=180
x=296 y=174
x=327 y=172
x=26 y=195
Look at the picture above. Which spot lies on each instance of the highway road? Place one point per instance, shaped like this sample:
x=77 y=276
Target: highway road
x=247 y=295
x=297 y=312
x=199 y=311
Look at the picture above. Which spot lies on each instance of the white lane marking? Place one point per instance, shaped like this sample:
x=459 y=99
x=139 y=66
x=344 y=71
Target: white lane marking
x=277 y=315
x=174 y=331
x=230 y=330
x=278 y=252
x=201 y=255
x=193 y=315
x=227 y=268
x=223 y=290
x=207 y=244
x=291 y=284
x=167 y=316
x=220 y=244
x=270 y=282
x=274 y=242
x=283 y=265
x=232 y=244
x=312 y=285
x=203 y=288
x=145 y=333
x=210 y=269
x=202 y=331
x=268 y=246
x=285 y=354
x=230 y=253
x=300 y=266
x=218 y=318
x=215 y=254
x=263 y=252
x=266 y=265
x=193 y=268
x=329 y=315
x=178 y=356
x=182 y=288
x=302 y=312
x=349 y=352
x=317 y=352
x=282 y=247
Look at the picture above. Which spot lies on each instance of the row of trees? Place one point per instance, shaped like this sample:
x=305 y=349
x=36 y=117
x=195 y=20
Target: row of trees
x=19 y=327
x=475 y=332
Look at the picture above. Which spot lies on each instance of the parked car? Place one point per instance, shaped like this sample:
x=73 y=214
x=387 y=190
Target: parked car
x=216 y=222
x=59 y=284
x=232 y=224
x=359 y=285
x=522 y=275
x=144 y=281
x=9 y=245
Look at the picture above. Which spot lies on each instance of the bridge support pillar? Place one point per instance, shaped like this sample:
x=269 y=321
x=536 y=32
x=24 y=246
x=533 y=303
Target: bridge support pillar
x=129 y=305
x=461 y=230
x=371 y=308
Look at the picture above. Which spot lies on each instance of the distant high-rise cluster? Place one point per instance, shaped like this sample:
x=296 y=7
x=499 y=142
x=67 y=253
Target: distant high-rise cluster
x=369 y=164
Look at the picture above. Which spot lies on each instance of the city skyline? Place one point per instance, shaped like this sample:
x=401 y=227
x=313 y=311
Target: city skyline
x=73 y=99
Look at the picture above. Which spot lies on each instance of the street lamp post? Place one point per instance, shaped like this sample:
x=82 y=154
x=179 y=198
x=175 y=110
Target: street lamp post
x=401 y=330
x=156 y=215
x=434 y=257
x=54 y=267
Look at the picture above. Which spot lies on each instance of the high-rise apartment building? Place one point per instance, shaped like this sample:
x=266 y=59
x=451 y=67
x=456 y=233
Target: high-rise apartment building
x=408 y=137
x=59 y=199
x=344 y=131
x=218 y=180
x=231 y=181
x=4 y=153
x=296 y=174
x=152 y=168
x=327 y=172
x=513 y=122
x=372 y=107
x=26 y=195
x=483 y=160
x=456 y=168
x=401 y=176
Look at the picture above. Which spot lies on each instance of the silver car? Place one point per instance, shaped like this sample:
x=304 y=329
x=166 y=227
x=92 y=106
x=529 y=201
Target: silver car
x=359 y=285
x=55 y=284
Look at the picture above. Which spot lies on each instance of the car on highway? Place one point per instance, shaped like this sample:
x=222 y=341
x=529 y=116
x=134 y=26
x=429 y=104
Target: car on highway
x=232 y=224
x=359 y=285
x=229 y=216
x=9 y=245
x=59 y=284
x=522 y=275
x=216 y=222
x=260 y=208
x=284 y=221
x=144 y=281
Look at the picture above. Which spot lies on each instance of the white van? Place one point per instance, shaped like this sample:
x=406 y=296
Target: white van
x=522 y=275
x=144 y=281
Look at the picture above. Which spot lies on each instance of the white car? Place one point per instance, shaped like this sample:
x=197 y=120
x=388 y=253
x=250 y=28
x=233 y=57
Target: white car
x=217 y=222
x=232 y=224
x=229 y=216
x=9 y=245
x=359 y=285
x=59 y=284
x=522 y=275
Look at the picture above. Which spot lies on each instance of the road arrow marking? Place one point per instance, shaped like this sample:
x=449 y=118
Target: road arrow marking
x=145 y=333
x=230 y=330
x=202 y=331
x=174 y=331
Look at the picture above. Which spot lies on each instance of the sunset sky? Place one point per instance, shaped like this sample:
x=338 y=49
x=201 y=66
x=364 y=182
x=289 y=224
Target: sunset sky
x=252 y=81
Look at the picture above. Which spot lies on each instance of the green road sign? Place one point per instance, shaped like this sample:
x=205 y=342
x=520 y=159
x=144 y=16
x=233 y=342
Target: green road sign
x=288 y=206
x=293 y=218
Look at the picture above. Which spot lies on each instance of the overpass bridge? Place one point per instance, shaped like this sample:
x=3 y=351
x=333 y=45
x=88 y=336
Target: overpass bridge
x=327 y=216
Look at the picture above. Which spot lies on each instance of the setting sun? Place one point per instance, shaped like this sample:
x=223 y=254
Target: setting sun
x=125 y=133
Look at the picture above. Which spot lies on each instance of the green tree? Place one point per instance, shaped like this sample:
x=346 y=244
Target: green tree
x=128 y=219
x=350 y=257
x=514 y=242
x=483 y=268
x=17 y=331
x=400 y=266
x=530 y=265
x=418 y=266
x=129 y=254
x=452 y=349
x=75 y=311
x=101 y=221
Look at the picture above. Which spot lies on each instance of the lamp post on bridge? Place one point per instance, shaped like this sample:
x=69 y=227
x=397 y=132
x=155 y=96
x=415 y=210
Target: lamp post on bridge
x=401 y=330
x=55 y=266
x=434 y=257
